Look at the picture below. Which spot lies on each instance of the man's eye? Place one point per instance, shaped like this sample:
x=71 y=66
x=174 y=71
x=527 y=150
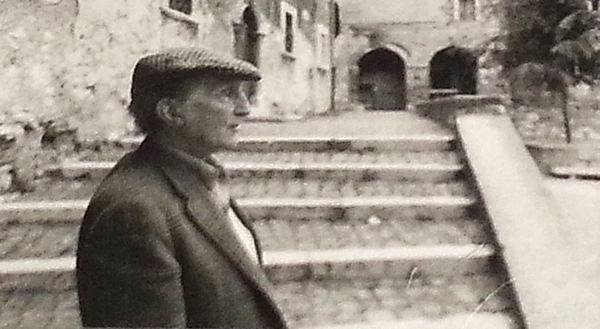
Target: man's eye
x=226 y=91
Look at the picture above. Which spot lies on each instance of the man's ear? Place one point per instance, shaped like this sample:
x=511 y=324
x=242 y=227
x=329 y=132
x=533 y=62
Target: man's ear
x=167 y=112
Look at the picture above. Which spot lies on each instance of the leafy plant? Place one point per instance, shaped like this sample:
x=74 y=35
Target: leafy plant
x=550 y=44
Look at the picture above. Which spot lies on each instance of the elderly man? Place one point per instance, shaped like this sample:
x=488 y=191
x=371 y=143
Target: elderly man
x=161 y=243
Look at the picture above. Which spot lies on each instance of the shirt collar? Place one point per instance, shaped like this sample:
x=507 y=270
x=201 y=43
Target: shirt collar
x=208 y=168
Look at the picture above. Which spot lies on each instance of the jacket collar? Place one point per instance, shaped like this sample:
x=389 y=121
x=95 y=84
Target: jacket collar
x=192 y=181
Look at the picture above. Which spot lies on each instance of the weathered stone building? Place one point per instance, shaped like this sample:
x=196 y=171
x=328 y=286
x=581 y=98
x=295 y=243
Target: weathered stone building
x=393 y=52
x=71 y=60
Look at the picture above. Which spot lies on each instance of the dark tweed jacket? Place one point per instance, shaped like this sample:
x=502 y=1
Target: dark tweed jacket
x=155 y=250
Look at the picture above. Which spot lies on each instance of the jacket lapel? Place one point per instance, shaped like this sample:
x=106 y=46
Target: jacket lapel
x=248 y=224
x=208 y=217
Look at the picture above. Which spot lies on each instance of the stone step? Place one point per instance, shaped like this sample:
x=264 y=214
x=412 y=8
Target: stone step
x=295 y=265
x=459 y=321
x=426 y=172
x=347 y=208
x=58 y=310
x=52 y=189
x=50 y=239
x=356 y=301
x=477 y=301
x=580 y=172
x=420 y=142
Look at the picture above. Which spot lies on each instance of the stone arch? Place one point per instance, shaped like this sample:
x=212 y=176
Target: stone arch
x=248 y=43
x=454 y=68
x=382 y=79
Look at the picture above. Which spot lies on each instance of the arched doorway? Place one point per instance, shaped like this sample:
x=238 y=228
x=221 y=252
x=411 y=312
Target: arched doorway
x=247 y=45
x=382 y=80
x=454 y=68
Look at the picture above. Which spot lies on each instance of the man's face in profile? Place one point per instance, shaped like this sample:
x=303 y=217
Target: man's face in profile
x=212 y=108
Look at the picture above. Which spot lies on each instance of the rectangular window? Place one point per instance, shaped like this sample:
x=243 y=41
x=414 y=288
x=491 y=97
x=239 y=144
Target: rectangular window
x=322 y=36
x=467 y=10
x=289 y=32
x=184 y=6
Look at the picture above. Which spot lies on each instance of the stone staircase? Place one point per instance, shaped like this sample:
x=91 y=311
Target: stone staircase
x=383 y=232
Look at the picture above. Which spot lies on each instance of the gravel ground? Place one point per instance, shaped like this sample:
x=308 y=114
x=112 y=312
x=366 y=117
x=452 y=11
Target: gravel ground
x=348 y=301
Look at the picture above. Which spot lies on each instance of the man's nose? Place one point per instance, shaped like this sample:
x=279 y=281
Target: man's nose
x=242 y=106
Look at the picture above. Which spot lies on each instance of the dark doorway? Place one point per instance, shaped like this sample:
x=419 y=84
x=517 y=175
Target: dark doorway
x=454 y=68
x=382 y=80
x=247 y=46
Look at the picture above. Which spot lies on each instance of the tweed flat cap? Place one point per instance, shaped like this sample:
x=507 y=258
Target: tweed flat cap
x=171 y=64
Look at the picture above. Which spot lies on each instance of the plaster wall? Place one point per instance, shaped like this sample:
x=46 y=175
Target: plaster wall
x=71 y=61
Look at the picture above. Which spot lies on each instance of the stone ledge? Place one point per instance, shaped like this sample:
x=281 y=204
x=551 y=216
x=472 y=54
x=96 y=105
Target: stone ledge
x=592 y=173
x=551 y=155
x=530 y=225
x=445 y=110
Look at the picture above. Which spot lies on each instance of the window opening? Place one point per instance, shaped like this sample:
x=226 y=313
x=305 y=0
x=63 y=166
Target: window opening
x=184 y=6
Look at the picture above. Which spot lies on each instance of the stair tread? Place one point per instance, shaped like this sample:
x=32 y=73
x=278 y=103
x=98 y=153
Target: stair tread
x=245 y=187
x=263 y=201
x=287 y=257
x=581 y=171
x=458 y=321
x=49 y=239
x=415 y=158
x=399 y=303
x=393 y=299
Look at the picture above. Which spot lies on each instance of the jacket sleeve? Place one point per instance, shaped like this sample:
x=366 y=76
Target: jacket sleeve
x=127 y=272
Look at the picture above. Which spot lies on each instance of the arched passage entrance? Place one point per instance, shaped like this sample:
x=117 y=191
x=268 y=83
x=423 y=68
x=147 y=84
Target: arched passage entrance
x=247 y=45
x=454 y=68
x=382 y=80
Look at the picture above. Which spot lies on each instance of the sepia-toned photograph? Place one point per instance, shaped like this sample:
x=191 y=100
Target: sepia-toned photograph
x=300 y=164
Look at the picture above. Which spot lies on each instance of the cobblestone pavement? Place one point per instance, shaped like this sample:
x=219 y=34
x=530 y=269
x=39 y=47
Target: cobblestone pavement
x=111 y=153
x=372 y=233
x=242 y=187
x=316 y=188
x=44 y=240
x=38 y=301
x=48 y=240
x=35 y=309
x=351 y=301
x=424 y=157
x=322 y=302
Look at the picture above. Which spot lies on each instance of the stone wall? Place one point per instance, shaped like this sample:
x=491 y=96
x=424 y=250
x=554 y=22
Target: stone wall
x=67 y=64
x=295 y=83
x=37 y=40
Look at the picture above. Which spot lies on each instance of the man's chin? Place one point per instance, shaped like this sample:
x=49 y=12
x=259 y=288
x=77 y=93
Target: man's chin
x=230 y=144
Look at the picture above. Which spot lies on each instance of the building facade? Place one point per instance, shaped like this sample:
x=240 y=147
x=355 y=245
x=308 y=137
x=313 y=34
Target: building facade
x=395 y=57
x=72 y=60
